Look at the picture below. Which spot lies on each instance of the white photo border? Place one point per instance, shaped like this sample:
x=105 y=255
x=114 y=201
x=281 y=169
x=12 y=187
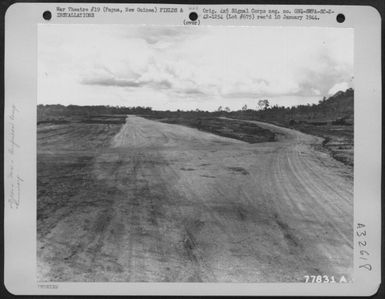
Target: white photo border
x=21 y=26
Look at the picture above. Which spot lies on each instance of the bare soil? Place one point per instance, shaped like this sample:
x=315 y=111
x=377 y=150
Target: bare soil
x=338 y=140
x=156 y=202
x=236 y=129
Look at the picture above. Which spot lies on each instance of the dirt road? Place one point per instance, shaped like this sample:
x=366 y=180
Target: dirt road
x=171 y=203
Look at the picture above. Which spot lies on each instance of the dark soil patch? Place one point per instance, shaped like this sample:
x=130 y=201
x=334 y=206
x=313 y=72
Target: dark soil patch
x=235 y=129
x=239 y=169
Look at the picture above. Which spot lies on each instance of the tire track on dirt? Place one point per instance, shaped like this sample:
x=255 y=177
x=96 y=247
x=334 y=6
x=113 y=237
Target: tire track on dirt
x=183 y=205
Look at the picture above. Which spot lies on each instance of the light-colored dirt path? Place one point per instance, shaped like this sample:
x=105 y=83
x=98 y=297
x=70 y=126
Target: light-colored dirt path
x=186 y=205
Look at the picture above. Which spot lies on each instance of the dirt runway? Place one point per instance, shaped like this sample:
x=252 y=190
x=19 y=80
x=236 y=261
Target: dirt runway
x=181 y=205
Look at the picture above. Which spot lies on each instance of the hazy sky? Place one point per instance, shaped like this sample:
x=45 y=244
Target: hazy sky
x=191 y=67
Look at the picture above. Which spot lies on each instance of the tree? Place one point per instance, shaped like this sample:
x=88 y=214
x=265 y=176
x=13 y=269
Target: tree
x=244 y=108
x=227 y=109
x=263 y=104
x=219 y=108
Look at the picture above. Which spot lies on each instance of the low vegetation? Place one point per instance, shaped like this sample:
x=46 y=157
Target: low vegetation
x=331 y=118
x=204 y=121
x=236 y=129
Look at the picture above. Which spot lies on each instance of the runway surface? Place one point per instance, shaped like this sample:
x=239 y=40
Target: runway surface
x=182 y=205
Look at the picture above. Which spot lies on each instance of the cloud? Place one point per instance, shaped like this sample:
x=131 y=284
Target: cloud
x=342 y=86
x=164 y=84
x=111 y=82
x=193 y=91
x=201 y=65
x=318 y=78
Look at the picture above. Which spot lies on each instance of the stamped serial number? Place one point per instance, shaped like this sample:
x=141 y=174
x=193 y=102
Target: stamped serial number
x=364 y=255
x=324 y=279
x=48 y=286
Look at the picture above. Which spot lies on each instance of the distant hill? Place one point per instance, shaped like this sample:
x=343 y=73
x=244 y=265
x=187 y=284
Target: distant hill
x=339 y=109
x=338 y=106
x=332 y=119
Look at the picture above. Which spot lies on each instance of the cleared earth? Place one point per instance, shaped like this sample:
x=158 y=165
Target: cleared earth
x=149 y=201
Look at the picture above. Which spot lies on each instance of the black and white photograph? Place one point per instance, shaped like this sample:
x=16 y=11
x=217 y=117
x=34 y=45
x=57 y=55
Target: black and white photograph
x=194 y=154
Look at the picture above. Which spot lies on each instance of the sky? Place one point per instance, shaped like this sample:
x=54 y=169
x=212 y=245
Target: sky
x=188 y=68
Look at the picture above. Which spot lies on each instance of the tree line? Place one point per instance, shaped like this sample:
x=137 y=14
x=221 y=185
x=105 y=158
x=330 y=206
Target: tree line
x=338 y=106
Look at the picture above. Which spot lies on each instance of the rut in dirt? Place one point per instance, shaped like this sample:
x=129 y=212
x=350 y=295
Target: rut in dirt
x=164 y=202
